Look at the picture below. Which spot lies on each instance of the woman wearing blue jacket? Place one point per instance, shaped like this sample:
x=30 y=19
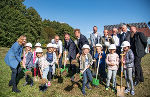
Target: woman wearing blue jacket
x=13 y=59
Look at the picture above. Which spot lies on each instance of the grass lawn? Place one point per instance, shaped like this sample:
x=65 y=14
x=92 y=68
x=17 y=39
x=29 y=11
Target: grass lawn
x=65 y=89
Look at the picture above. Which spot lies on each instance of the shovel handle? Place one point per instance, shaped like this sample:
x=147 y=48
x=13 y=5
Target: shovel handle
x=122 y=67
x=98 y=65
x=65 y=59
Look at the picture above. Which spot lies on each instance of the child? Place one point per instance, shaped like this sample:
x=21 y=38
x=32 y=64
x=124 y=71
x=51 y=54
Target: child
x=37 y=45
x=85 y=62
x=43 y=63
x=128 y=66
x=112 y=60
x=102 y=66
x=51 y=58
x=28 y=62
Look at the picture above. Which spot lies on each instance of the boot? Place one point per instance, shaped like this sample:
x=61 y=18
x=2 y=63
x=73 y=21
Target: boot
x=14 y=89
x=25 y=83
x=31 y=82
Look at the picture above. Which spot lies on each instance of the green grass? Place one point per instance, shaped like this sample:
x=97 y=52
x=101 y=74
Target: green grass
x=65 y=89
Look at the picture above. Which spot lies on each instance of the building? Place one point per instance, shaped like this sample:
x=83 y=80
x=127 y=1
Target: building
x=141 y=27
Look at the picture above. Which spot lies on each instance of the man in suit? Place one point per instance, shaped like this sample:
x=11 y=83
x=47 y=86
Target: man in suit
x=106 y=40
x=95 y=38
x=72 y=51
x=138 y=45
x=81 y=41
x=125 y=35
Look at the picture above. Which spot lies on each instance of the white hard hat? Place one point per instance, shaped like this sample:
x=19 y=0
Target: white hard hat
x=86 y=46
x=107 y=44
x=28 y=44
x=50 y=45
x=39 y=50
x=38 y=44
x=112 y=46
x=125 y=44
x=99 y=45
x=55 y=46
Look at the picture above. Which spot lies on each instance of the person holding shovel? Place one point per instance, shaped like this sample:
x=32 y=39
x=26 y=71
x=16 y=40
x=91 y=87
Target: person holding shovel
x=128 y=66
x=51 y=58
x=72 y=51
x=102 y=66
x=85 y=63
x=112 y=60
x=43 y=63
x=13 y=59
x=28 y=63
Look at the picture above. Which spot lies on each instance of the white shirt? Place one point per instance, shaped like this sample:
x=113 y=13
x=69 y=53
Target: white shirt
x=96 y=35
x=86 y=60
x=116 y=40
x=59 y=45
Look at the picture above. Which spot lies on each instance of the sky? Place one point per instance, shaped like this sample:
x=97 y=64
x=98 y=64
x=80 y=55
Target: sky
x=84 y=14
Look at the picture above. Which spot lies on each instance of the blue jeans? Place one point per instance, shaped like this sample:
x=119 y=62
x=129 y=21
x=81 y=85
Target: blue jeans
x=87 y=78
x=111 y=73
x=45 y=72
x=128 y=77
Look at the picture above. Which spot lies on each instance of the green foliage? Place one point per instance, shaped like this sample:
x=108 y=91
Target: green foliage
x=16 y=19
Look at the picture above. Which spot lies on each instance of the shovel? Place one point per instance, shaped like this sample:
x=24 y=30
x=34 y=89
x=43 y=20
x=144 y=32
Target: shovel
x=79 y=76
x=95 y=80
x=120 y=89
x=58 y=70
x=64 y=70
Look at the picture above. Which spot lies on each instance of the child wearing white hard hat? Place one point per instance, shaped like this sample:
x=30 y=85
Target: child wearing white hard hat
x=100 y=53
x=43 y=63
x=51 y=58
x=128 y=66
x=85 y=62
x=28 y=62
x=112 y=60
x=37 y=45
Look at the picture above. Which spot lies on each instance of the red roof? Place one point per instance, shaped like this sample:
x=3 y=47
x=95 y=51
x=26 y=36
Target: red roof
x=141 y=27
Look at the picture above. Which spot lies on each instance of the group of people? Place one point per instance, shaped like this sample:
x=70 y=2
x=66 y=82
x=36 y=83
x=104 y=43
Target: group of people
x=104 y=51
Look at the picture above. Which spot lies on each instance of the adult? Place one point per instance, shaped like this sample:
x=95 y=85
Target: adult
x=80 y=42
x=116 y=38
x=72 y=51
x=106 y=40
x=60 y=48
x=125 y=35
x=95 y=38
x=13 y=59
x=138 y=45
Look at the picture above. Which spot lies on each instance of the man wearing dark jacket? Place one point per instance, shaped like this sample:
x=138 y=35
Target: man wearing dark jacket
x=125 y=35
x=72 y=51
x=138 y=45
x=81 y=41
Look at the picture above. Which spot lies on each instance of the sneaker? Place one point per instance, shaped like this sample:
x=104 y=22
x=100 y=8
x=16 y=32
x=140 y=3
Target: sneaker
x=88 y=87
x=132 y=92
x=83 y=92
x=113 y=90
x=49 y=83
x=107 y=88
x=127 y=90
x=35 y=79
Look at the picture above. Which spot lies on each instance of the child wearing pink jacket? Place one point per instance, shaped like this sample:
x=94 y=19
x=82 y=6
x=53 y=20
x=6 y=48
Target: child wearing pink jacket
x=112 y=60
